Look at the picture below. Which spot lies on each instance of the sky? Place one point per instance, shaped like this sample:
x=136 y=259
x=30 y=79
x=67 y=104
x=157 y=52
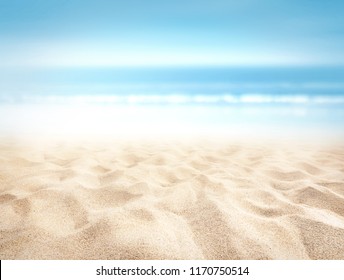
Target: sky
x=74 y=33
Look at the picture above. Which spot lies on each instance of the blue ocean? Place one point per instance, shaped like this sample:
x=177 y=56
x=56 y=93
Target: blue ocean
x=216 y=96
x=324 y=82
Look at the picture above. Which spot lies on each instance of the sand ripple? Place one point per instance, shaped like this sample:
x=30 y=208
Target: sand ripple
x=171 y=201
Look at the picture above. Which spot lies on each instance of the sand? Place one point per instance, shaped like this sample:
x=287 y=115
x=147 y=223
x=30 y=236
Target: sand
x=171 y=200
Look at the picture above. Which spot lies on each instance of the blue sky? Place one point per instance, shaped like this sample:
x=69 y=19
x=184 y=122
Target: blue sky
x=156 y=32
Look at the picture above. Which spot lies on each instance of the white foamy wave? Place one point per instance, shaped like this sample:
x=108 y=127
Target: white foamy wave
x=175 y=99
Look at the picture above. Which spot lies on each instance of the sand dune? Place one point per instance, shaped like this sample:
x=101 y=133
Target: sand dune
x=163 y=200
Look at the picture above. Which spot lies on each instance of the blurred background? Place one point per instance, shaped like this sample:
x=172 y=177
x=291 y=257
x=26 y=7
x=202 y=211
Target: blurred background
x=252 y=67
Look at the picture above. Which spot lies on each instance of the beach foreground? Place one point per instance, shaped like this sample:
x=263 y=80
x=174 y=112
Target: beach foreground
x=171 y=200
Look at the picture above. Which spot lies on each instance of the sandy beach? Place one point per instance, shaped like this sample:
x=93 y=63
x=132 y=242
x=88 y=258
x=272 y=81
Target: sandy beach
x=171 y=200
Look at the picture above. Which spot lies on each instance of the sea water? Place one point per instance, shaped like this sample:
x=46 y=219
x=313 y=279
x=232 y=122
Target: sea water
x=202 y=98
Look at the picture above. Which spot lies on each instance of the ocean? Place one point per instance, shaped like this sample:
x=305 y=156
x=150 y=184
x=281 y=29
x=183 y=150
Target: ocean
x=212 y=82
x=202 y=97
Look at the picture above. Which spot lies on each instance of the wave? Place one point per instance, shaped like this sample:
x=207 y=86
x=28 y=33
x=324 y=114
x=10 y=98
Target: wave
x=175 y=99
